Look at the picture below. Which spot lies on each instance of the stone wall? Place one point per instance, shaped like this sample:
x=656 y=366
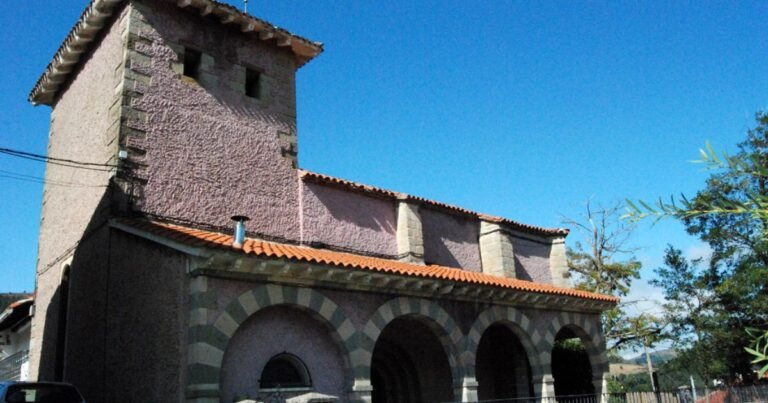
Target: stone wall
x=250 y=319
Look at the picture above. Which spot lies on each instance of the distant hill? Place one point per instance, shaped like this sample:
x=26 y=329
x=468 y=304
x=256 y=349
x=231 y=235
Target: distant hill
x=657 y=357
x=626 y=369
x=7 y=298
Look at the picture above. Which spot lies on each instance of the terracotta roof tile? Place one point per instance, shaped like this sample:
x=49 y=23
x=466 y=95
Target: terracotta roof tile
x=19 y=303
x=388 y=194
x=254 y=247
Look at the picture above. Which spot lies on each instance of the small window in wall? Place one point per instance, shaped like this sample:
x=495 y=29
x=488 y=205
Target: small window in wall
x=252 y=83
x=285 y=371
x=192 y=59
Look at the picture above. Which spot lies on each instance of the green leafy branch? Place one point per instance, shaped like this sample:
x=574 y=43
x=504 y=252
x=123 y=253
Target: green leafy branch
x=759 y=348
x=753 y=203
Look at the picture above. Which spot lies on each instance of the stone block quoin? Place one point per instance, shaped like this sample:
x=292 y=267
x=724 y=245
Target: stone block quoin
x=410 y=237
x=558 y=263
x=129 y=122
x=496 y=250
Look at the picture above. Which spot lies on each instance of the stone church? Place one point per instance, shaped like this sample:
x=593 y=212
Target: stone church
x=203 y=265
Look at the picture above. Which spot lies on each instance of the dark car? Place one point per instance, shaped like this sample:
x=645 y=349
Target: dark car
x=39 y=392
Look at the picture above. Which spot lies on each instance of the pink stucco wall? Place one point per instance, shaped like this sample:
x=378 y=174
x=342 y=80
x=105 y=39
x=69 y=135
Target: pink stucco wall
x=345 y=219
x=451 y=240
x=273 y=331
x=532 y=260
x=212 y=152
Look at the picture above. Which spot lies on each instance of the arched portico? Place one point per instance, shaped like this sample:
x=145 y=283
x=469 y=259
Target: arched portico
x=418 y=320
x=588 y=330
x=208 y=343
x=501 y=354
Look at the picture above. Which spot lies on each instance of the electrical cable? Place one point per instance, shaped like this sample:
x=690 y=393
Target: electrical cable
x=40 y=156
x=35 y=179
x=92 y=166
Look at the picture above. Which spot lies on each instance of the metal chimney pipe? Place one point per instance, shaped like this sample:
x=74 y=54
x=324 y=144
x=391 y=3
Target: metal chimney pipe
x=239 y=230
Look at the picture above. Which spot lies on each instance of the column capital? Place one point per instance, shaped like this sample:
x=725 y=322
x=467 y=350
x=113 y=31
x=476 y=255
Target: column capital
x=362 y=385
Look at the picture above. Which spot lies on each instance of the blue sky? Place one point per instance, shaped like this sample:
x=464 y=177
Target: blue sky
x=521 y=109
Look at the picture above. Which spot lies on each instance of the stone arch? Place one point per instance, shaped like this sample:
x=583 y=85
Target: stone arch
x=207 y=343
x=522 y=327
x=589 y=330
x=437 y=319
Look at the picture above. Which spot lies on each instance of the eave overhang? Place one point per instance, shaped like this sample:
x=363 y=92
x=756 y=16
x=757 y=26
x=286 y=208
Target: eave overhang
x=99 y=12
x=16 y=315
x=218 y=258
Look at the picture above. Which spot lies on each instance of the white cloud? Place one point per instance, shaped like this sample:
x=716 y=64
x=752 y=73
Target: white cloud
x=643 y=298
x=701 y=251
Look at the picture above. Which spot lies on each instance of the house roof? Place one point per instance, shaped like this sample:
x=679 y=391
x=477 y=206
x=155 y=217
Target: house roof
x=313 y=177
x=253 y=247
x=15 y=314
x=98 y=13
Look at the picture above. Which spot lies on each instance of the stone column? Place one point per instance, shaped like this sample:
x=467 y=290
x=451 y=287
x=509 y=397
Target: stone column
x=202 y=383
x=496 y=250
x=410 y=239
x=601 y=387
x=544 y=387
x=558 y=263
x=468 y=389
x=361 y=391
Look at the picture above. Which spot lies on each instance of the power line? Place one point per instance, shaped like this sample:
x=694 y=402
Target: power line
x=35 y=179
x=92 y=166
x=45 y=157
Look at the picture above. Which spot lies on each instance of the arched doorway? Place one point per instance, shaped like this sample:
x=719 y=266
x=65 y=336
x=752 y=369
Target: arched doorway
x=571 y=366
x=279 y=352
x=502 y=366
x=409 y=364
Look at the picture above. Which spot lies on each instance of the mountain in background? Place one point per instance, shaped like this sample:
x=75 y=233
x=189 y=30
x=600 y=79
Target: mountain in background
x=657 y=357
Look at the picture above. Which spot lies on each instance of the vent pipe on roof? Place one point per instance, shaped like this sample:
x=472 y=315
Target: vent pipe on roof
x=239 y=230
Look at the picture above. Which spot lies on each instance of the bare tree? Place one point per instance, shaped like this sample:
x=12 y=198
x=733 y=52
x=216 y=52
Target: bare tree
x=603 y=262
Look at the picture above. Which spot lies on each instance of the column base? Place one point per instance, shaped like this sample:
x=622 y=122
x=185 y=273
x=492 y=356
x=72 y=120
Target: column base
x=361 y=391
